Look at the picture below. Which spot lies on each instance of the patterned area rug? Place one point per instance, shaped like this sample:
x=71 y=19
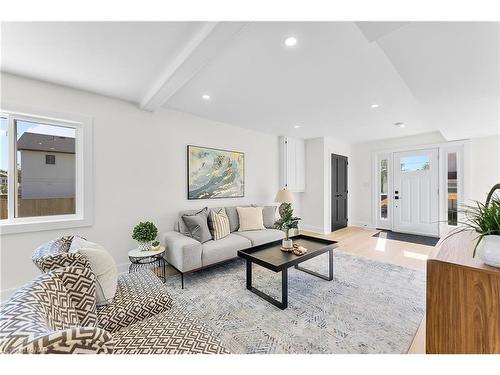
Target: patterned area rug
x=369 y=307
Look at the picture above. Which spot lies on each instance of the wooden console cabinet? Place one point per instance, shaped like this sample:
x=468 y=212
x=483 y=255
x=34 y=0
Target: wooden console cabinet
x=463 y=300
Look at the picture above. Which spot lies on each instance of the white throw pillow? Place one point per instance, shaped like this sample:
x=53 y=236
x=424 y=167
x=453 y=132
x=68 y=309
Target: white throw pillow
x=103 y=266
x=250 y=218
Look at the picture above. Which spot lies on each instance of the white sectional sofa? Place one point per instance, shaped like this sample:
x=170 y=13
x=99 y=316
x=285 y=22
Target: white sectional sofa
x=188 y=255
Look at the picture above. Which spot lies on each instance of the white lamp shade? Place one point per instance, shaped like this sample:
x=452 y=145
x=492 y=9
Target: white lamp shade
x=284 y=196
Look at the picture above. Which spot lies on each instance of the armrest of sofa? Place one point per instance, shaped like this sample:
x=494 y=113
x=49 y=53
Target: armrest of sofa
x=184 y=253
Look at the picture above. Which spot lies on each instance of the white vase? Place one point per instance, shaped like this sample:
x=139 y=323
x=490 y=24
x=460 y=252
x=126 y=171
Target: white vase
x=144 y=245
x=488 y=250
x=287 y=244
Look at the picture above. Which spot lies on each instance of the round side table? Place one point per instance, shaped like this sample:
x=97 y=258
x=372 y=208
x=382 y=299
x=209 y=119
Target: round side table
x=148 y=259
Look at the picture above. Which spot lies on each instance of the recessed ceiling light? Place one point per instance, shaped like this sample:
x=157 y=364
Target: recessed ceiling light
x=205 y=97
x=400 y=124
x=296 y=126
x=374 y=105
x=39 y=143
x=291 y=41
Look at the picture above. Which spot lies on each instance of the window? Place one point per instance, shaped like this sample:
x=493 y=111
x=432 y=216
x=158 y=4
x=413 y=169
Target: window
x=44 y=188
x=4 y=167
x=452 y=190
x=48 y=160
x=383 y=188
x=415 y=163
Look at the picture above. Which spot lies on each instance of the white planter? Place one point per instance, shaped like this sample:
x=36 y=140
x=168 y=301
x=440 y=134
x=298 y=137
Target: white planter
x=144 y=246
x=488 y=250
x=287 y=244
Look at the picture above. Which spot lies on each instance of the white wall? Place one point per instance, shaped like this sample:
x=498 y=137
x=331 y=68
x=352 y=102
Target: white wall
x=315 y=203
x=41 y=180
x=484 y=166
x=139 y=169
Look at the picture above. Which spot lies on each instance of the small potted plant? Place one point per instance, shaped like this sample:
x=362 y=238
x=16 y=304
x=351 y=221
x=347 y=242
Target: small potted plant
x=145 y=233
x=155 y=246
x=286 y=222
x=485 y=220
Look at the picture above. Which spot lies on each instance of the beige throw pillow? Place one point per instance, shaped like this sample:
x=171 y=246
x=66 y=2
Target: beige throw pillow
x=250 y=218
x=103 y=266
x=220 y=223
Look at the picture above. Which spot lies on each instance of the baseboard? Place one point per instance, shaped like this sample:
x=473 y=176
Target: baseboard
x=312 y=228
x=362 y=224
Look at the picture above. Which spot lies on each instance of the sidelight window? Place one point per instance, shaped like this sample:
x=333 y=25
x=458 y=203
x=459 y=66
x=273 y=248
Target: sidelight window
x=384 y=179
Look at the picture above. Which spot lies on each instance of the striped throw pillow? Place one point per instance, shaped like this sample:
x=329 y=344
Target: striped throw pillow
x=220 y=223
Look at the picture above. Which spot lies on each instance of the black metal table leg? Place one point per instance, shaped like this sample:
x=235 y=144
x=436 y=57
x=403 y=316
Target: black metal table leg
x=330 y=269
x=249 y=274
x=284 y=288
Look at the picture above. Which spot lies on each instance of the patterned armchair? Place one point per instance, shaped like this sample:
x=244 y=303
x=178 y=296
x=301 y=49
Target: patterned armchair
x=138 y=296
x=56 y=313
x=53 y=314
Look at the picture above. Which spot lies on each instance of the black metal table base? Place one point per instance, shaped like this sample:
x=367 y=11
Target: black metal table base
x=157 y=264
x=283 y=304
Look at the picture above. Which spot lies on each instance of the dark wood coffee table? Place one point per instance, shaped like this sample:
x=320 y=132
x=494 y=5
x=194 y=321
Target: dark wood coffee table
x=271 y=257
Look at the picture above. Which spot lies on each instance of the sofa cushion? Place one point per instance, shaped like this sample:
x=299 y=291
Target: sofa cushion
x=173 y=332
x=220 y=224
x=103 y=266
x=269 y=216
x=259 y=237
x=54 y=254
x=250 y=218
x=223 y=249
x=197 y=225
x=139 y=295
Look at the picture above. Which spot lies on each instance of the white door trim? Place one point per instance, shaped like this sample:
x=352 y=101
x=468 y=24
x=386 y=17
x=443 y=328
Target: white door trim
x=462 y=147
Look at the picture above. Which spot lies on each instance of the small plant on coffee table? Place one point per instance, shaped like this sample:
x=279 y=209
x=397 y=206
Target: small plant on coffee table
x=287 y=221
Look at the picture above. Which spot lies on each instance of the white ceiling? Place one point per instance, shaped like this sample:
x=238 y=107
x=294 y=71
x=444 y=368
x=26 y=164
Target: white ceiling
x=432 y=76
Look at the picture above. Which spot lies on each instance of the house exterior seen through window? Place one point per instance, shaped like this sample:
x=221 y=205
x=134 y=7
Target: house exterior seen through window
x=44 y=169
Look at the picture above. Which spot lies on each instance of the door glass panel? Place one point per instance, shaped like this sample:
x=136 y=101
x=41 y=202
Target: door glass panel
x=415 y=163
x=452 y=189
x=4 y=163
x=383 y=206
x=383 y=188
x=383 y=176
x=46 y=169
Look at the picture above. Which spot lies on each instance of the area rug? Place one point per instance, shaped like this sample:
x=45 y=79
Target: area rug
x=369 y=307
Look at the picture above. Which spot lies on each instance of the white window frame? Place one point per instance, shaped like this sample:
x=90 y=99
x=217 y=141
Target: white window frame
x=84 y=203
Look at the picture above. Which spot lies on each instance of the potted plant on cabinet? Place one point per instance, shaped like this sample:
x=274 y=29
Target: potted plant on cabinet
x=286 y=222
x=485 y=220
x=145 y=233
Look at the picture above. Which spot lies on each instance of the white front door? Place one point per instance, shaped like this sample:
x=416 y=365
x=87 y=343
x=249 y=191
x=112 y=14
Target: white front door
x=416 y=192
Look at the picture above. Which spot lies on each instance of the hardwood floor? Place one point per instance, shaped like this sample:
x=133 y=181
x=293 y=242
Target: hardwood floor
x=359 y=241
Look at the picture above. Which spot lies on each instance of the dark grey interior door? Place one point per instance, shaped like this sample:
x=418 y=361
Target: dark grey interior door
x=339 y=192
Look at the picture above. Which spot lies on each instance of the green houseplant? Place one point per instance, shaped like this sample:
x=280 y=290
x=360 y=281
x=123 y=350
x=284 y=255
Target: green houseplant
x=286 y=222
x=145 y=233
x=484 y=219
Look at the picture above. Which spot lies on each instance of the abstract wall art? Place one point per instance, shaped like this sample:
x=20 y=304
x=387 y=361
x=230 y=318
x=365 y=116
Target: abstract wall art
x=214 y=173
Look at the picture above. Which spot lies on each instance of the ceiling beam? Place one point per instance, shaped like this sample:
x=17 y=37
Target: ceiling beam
x=206 y=43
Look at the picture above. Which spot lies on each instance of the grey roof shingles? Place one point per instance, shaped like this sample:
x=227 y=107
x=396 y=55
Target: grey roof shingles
x=46 y=143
